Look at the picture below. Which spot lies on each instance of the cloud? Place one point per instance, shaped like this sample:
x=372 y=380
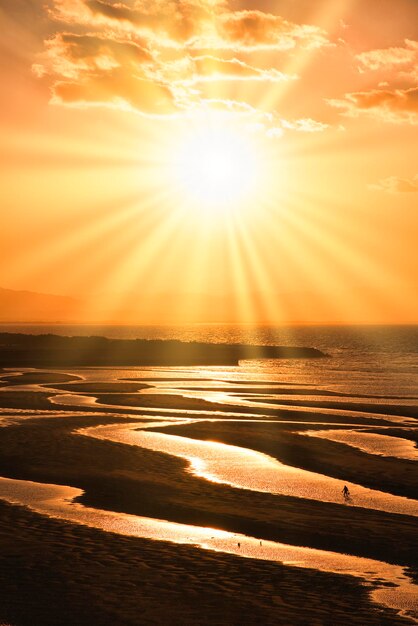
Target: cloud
x=275 y=127
x=115 y=88
x=127 y=53
x=210 y=68
x=305 y=125
x=398 y=106
x=72 y=55
x=394 y=184
x=168 y=22
x=201 y=24
x=178 y=21
x=252 y=30
x=388 y=57
x=402 y=61
x=257 y=121
x=390 y=104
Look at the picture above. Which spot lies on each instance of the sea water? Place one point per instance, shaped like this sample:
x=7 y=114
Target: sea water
x=375 y=360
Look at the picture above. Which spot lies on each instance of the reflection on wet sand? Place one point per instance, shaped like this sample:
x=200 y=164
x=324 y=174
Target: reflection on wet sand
x=231 y=405
x=58 y=501
x=226 y=464
x=372 y=443
x=248 y=469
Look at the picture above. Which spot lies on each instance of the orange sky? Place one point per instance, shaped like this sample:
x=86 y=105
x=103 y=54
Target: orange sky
x=98 y=100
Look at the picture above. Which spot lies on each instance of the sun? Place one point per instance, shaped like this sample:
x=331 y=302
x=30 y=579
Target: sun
x=216 y=168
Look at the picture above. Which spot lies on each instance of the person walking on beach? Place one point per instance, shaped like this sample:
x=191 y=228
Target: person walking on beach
x=346 y=492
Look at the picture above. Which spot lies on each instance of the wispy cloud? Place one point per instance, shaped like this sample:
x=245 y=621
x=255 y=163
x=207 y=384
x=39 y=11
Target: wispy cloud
x=210 y=68
x=304 y=125
x=398 y=106
x=395 y=184
x=399 y=62
x=252 y=30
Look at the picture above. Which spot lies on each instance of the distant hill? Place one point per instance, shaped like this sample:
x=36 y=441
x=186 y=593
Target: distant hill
x=29 y=306
x=140 y=307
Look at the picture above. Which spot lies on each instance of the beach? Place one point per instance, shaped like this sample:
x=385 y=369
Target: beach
x=113 y=437
x=56 y=573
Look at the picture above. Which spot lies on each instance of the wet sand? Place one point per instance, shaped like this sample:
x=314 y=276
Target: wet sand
x=70 y=574
x=54 y=572
x=373 y=443
x=391 y=585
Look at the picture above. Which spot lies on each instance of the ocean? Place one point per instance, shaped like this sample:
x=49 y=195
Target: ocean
x=380 y=360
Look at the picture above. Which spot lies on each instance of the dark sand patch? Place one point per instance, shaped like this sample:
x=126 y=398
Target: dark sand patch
x=166 y=401
x=53 y=573
x=172 y=379
x=97 y=387
x=35 y=378
x=402 y=433
x=385 y=409
x=34 y=400
x=31 y=400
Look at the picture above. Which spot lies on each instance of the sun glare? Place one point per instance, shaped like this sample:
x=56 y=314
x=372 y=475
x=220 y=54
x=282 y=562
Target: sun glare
x=216 y=168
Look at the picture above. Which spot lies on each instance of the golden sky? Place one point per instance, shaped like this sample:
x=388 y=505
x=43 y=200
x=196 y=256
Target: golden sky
x=259 y=157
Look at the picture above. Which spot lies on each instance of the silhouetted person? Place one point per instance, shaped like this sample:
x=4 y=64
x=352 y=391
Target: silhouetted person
x=346 y=492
